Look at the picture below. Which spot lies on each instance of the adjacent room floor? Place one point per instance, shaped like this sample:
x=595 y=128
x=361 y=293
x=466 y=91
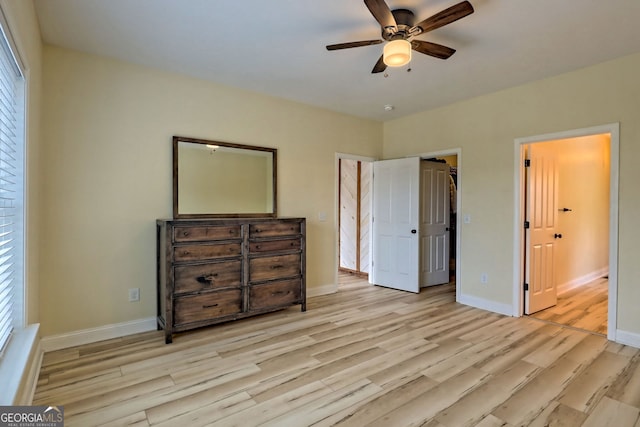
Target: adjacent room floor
x=584 y=307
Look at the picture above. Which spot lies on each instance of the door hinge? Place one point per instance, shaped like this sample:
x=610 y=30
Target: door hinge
x=527 y=163
x=526 y=286
x=526 y=224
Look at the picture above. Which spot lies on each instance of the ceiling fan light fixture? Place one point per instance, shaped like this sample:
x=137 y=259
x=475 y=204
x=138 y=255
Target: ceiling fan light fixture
x=397 y=53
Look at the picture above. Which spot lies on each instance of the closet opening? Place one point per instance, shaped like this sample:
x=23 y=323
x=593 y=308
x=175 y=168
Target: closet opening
x=430 y=203
x=355 y=200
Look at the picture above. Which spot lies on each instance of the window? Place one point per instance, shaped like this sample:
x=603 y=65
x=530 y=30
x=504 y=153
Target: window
x=11 y=191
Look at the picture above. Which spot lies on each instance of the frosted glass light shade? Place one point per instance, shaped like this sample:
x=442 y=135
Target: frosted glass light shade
x=396 y=53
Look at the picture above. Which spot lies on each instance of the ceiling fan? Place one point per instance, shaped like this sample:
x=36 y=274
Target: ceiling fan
x=399 y=31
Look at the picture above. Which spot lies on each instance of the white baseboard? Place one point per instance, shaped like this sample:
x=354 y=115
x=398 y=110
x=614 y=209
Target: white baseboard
x=316 y=291
x=485 y=304
x=88 y=336
x=628 y=338
x=107 y=332
x=582 y=280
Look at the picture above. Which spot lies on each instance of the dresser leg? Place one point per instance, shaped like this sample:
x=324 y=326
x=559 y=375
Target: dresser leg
x=168 y=338
x=303 y=306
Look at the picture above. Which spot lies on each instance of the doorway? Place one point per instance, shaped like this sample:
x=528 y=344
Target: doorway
x=354 y=216
x=567 y=228
x=445 y=267
x=451 y=157
x=354 y=176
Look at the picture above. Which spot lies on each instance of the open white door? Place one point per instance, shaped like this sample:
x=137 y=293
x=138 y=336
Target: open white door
x=435 y=204
x=542 y=235
x=395 y=246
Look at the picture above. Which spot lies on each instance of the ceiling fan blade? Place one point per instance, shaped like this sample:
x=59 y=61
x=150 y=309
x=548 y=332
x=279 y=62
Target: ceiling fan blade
x=432 y=49
x=353 y=44
x=382 y=13
x=380 y=66
x=443 y=18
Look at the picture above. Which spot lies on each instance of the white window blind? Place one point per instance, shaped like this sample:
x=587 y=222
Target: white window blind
x=11 y=191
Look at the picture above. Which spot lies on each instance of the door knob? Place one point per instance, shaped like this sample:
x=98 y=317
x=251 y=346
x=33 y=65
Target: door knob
x=413 y=231
x=557 y=236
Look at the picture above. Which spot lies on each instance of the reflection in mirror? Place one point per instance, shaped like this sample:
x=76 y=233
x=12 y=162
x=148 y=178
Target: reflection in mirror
x=213 y=179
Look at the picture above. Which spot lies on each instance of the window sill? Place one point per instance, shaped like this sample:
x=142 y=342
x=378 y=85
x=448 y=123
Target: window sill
x=14 y=365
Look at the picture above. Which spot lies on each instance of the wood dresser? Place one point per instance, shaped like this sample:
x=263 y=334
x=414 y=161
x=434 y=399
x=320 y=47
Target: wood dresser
x=216 y=270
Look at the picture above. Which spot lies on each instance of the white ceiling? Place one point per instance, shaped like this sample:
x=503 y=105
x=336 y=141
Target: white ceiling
x=277 y=47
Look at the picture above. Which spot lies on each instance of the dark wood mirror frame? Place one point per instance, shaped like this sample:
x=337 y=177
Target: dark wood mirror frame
x=228 y=147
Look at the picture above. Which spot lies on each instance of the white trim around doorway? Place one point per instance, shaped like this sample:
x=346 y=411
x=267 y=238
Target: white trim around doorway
x=613 y=130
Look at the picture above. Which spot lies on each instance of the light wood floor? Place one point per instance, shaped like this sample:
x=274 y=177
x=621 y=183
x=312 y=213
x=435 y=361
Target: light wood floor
x=364 y=356
x=584 y=307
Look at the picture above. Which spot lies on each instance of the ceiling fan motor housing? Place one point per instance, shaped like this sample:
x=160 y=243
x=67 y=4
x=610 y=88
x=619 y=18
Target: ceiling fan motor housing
x=405 y=20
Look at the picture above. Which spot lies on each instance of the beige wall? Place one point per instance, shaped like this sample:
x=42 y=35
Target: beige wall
x=485 y=129
x=24 y=28
x=107 y=177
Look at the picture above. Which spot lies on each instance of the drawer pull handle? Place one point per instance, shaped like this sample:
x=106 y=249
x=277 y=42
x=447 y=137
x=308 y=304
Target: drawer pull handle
x=207 y=279
x=277 y=266
x=276 y=293
x=258 y=246
x=210 y=306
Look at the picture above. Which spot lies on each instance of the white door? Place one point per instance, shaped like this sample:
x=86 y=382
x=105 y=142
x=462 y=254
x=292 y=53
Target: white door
x=542 y=235
x=395 y=246
x=435 y=221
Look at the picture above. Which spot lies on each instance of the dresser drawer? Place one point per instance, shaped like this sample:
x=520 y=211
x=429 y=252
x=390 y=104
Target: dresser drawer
x=204 y=233
x=275 y=245
x=274 y=267
x=274 y=229
x=202 y=252
x=275 y=294
x=193 y=278
x=196 y=308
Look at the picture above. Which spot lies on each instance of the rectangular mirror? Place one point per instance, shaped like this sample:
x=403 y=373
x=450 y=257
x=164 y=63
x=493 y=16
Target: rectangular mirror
x=221 y=179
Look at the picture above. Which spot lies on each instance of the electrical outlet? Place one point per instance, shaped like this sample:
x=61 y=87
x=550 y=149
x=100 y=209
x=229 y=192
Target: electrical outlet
x=484 y=278
x=134 y=294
